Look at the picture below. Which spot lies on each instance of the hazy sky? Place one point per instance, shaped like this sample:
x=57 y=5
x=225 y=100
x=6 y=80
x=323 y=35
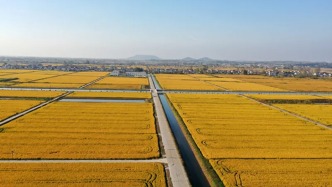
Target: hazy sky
x=220 y=29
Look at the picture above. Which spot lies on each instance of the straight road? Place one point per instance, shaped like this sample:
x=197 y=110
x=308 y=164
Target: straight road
x=171 y=91
x=176 y=168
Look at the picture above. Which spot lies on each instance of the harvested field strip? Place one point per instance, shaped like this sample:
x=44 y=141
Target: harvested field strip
x=274 y=172
x=82 y=174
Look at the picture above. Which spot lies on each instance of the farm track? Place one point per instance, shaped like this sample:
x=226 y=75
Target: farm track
x=171 y=91
x=175 y=164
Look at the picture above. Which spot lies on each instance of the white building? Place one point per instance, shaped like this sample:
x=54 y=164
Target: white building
x=136 y=74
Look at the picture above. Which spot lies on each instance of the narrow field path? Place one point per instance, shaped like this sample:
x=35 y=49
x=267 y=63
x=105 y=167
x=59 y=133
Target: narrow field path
x=207 y=82
x=92 y=82
x=169 y=91
x=70 y=89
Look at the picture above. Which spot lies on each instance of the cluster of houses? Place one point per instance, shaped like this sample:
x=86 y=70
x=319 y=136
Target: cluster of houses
x=128 y=73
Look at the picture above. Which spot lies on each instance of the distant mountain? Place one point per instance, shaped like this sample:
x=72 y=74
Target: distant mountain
x=188 y=59
x=144 y=57
x=205 y=59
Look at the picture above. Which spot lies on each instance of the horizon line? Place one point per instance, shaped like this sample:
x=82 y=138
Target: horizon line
x=161 y=59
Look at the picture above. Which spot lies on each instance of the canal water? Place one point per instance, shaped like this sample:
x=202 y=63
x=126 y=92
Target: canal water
x=194 y=171
x=156 y=84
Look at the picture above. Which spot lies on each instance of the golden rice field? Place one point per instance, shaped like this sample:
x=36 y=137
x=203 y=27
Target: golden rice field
x=288 y=98
x=12 y=107
x=74 y=78
x=244 y=86
x=183 y=82
x=4 y=73
x=220 y=79
x=274 y=172
x=237 y=85
x=50 y=79
x=67 y=130
x=318 y=112
x=82 y=174
x=6 y=84
x=12 y=71
x=68 y=79
x=47 y=85
x=200 y=76
x=32 y=75
x=328 y=96
x=231 y=126
x=249 y=144
x=267 y=97
x=132 y=83
x=90 y=74
x=291 y=84
x=124 y=95
x=29 y=93
x=207 y=82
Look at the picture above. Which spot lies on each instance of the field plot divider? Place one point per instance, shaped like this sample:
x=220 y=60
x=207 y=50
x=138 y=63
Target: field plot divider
x=49 y=77
x=92 y=82
x=7 y=120
x=289 y=113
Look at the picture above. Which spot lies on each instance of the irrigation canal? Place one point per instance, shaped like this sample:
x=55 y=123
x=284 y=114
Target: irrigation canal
x=194 y=170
